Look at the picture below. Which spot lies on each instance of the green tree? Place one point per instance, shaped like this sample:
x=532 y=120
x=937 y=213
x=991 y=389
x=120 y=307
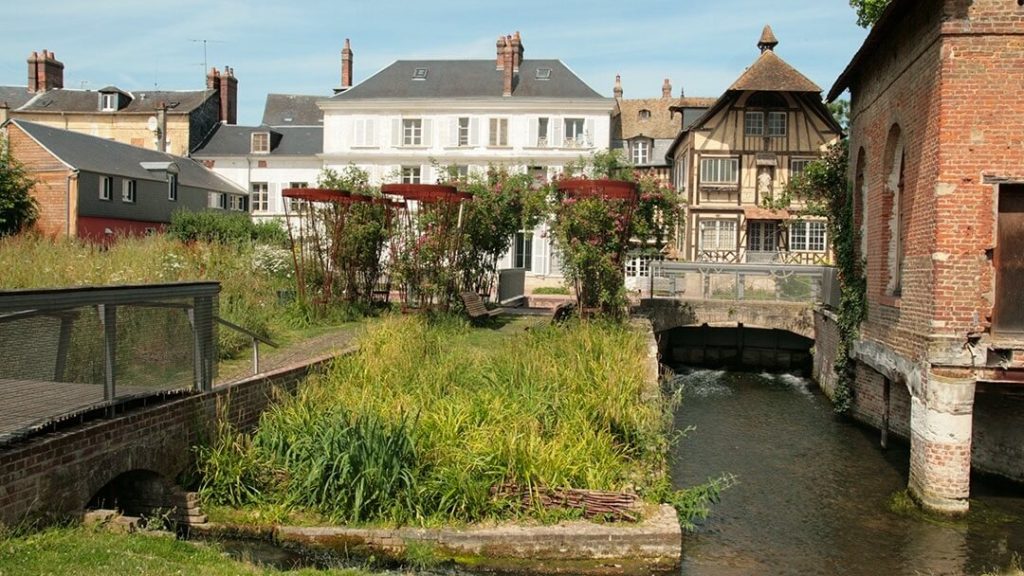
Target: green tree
x=868 y=11
x=840 y=110
x=18 y=209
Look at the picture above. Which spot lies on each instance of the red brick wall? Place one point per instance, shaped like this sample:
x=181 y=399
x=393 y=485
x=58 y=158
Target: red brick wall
x=55 y=475
x=51 y=188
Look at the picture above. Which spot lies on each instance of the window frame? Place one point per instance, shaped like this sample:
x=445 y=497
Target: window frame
x=264 y=139
x=793 y=173
x=464 y=127
x=106 y=188
x=412 y=174
x=129 y=191
x=767 y=233
x=412 y=132
x=719 y=226
x=259 y=194
x=734 y=167
x=640 y=152
x=497 y=133
x=751 y=128
x=297 y=205
x=803 y=239
x=573 y=138
x=772 y=129
x=108 y=101
x=172 y=187
x=543 y=132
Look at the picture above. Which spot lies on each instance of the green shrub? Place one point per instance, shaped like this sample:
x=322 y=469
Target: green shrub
x=225 y=228
x=559 y=290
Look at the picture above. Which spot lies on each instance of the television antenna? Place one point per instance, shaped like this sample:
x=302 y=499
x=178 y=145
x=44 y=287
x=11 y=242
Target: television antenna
x=205 y=41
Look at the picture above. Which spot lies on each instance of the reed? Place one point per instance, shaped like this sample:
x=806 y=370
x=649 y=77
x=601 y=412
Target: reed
x=430 y=415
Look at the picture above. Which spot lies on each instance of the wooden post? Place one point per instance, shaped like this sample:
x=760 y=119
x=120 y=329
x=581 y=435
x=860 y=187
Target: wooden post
x=886 y=386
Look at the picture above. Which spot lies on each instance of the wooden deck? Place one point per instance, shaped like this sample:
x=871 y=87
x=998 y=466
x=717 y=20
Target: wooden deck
x=28 y=405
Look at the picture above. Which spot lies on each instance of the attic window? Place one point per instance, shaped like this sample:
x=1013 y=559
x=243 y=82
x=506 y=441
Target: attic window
x=543 y=73
x=108 y=101
x=644 y=114
x=419 y=74
x=260 y=143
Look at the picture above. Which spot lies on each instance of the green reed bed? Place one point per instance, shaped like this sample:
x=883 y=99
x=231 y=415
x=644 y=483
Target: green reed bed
x=430 y=416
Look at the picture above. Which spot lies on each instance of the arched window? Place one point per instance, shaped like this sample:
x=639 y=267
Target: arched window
x=860 y=202
x=896 y=205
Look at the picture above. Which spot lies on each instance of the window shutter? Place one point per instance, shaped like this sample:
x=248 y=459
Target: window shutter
x=588 y=128
x=540 y=252
x=427 y=124
x=369 y=132
x=427 y=174
x=396 y=132
x=357 y=128
x=474 y=132
x=555 y=138
x=533 y=132
x=453 y=131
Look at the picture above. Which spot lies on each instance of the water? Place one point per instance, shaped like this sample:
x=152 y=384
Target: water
x=813 y=490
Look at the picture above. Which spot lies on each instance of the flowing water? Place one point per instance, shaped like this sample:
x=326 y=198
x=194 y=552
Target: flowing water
x=812 y=492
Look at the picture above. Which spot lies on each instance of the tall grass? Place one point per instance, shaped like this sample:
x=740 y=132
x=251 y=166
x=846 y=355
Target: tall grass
x=249 y=289
x=427 y=418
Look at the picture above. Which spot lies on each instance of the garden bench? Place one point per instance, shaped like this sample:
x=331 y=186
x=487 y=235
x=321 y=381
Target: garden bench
x=475 y=307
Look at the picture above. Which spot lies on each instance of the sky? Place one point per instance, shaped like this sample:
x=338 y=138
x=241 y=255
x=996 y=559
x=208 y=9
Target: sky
x=295 y=47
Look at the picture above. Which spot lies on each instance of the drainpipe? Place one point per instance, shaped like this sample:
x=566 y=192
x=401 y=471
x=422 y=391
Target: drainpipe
x=67 y=202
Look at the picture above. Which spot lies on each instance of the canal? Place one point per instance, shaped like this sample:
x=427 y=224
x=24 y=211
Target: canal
x=813 y=492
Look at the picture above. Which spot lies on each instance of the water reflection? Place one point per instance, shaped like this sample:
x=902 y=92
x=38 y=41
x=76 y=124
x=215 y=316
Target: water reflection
x=813 y=489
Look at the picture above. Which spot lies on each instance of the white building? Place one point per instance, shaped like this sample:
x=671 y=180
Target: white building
x=281 y=153
x=414 y=115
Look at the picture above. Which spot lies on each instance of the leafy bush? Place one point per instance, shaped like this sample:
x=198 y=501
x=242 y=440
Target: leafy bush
x=18 y=209
x=225 y=228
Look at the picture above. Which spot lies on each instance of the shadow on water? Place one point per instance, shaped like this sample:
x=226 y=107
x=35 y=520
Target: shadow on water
x=815 y=494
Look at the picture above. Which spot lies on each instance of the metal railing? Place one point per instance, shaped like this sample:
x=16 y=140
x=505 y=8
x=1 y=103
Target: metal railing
x=66 y=352
x=743 y=282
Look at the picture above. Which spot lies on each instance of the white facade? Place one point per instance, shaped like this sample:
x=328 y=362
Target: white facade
x=407 y=140
x=265 y=178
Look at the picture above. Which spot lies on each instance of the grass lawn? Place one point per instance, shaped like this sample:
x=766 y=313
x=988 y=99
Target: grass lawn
x=88 y=552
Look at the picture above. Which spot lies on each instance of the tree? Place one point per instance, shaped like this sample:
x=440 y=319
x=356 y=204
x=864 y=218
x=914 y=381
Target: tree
x=840 y=110
x=18 y=209
x=868 y=11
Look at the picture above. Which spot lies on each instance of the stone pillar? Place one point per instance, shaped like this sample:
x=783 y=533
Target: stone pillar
x=940 y=443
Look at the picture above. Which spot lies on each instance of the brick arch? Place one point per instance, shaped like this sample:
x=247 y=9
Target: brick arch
x=792 y=317
x=135 y=492
x=894 y=204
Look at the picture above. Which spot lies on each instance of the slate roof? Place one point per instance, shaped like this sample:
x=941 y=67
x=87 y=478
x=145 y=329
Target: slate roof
x=228 y=140
x=468 y=79
x=15 y=96
x=143 y=102
x=772 y=74
x=292 y=110
x=102 y=156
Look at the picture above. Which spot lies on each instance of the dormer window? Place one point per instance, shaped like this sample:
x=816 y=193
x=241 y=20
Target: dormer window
x=108 y=101
x=419 y=74
x=260 y=143
x=640 y=152
x=644 y=114
x=543 y=73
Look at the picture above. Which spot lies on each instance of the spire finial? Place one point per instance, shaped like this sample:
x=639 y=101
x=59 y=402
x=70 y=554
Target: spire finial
x=768 y=40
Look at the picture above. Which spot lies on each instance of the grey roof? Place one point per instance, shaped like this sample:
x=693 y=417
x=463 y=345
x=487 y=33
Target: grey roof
x=144 y=102
x=15 y=96
x=228 y=140
x=468 y=79
x=102 y=156
x=292 y=110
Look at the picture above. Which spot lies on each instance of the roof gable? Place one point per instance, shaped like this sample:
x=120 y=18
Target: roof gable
x=769 y=73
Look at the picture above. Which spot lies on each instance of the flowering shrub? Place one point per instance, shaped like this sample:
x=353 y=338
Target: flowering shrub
x=596 y=225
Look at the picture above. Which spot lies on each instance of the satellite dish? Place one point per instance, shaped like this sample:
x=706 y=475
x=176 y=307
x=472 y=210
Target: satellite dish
x=152 y=124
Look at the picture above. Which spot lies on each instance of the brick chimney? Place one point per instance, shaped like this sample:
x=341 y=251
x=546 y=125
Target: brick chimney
x=666 y=89
x=228 y=96
x=500 y=44
x=517 y=51
x=508 y=72
x=617 y=91
x=161 y=126
x=213 y=79
x=346 y=66
x=45 y=72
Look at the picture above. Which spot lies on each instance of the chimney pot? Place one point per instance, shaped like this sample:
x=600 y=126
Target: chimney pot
x=618 y=87
x=666 y=89
x=500 y=44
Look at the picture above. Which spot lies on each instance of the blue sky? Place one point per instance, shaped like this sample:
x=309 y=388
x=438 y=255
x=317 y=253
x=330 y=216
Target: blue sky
x=294 y=47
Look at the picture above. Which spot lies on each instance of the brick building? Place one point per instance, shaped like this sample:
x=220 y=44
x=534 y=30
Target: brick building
x=937 y=163
x=130 y=117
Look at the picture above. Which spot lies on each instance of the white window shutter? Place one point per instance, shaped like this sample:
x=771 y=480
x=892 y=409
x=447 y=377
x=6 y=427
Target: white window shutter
x=427 y=174
x=396 y=132
x=555 y=139
x=474 y=132
x=427 y=125
x=588 y=127
x=357 y=139
x=370 y=132
x=533 y=132
x=453 y=131
x=540 y=252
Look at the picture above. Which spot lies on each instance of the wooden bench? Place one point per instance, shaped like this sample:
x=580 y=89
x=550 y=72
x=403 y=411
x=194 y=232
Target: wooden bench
x=475 y=307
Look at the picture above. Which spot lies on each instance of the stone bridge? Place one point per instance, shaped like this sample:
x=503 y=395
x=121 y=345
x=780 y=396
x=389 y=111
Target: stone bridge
x=665 y=314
